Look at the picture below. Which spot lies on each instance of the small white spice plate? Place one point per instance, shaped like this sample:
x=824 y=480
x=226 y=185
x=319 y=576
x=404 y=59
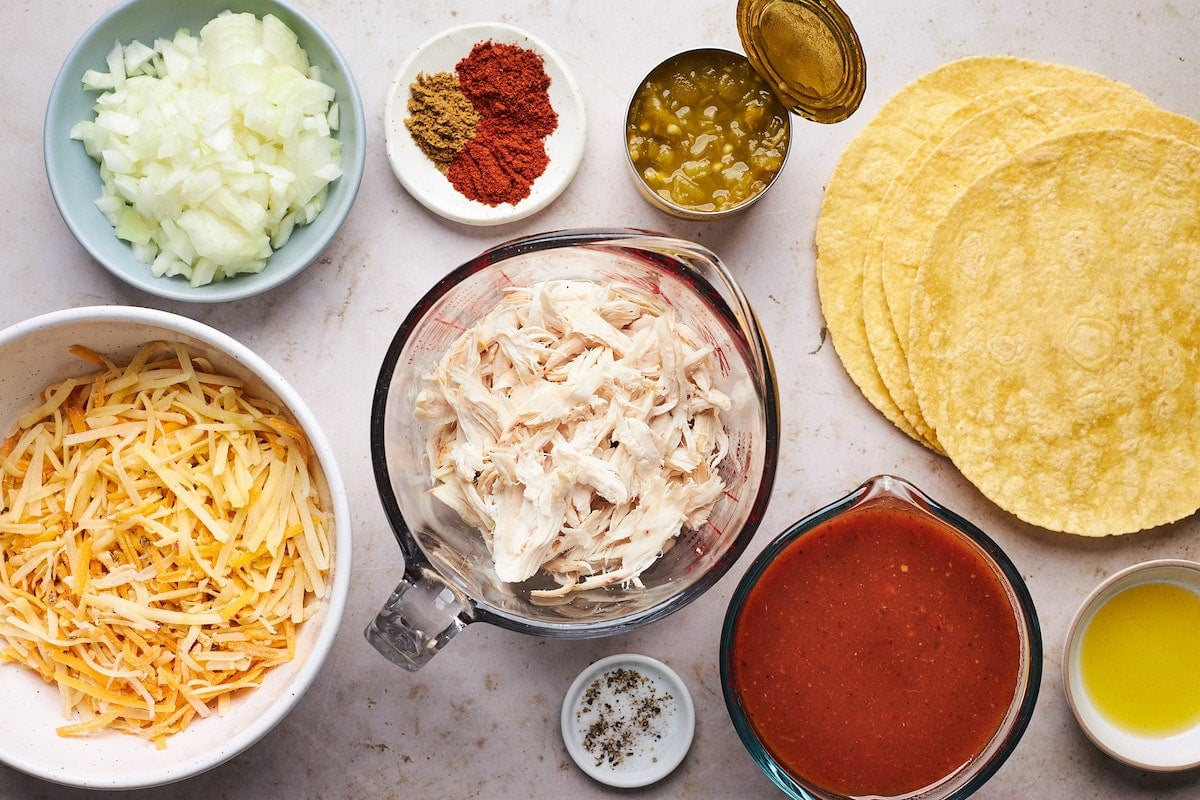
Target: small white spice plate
x=427 y=184
x=652 y=753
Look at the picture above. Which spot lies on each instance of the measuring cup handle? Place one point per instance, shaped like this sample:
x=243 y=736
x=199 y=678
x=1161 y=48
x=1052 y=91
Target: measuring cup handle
x=422 y=614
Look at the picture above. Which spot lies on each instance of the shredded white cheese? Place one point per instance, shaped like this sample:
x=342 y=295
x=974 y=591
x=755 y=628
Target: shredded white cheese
x=161 y=539
x=577 y=426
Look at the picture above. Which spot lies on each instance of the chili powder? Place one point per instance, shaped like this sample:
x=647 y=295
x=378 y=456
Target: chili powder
x=509 y=89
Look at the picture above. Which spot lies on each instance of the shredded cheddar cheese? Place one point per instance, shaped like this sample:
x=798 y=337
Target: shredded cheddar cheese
x=161 y=539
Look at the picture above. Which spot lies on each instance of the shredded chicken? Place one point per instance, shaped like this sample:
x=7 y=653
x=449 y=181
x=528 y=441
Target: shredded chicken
x=577 y=426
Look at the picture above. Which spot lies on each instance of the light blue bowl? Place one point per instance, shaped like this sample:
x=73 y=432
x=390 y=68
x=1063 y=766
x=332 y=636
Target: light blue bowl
x=75 y=178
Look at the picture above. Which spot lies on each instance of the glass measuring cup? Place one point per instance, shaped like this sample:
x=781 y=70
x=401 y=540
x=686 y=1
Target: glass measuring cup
x=449 y=580
x=874 y=517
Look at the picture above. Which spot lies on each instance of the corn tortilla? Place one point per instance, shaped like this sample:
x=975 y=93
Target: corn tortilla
x=1053 y=339
x=873 y=159
x=911 y=420
x=910 y=212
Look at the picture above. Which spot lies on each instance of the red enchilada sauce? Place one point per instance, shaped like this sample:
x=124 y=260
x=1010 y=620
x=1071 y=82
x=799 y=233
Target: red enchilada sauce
x=877 y=653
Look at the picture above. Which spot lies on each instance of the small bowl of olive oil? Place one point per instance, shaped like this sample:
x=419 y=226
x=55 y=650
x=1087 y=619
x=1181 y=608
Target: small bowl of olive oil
x=1131 y=665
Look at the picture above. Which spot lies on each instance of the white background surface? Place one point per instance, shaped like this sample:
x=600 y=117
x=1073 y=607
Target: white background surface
x=482 y=719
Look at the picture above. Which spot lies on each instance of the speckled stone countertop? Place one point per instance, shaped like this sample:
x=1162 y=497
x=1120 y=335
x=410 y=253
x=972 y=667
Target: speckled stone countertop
x=482 y=719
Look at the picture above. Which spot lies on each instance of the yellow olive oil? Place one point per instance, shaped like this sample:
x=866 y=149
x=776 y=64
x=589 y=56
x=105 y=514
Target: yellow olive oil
x=1140 y=659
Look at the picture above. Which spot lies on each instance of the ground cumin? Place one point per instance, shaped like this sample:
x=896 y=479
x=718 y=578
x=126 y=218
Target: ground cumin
x=441 y=118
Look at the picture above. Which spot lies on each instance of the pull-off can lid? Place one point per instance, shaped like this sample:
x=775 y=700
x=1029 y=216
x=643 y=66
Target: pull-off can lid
x=808 y=51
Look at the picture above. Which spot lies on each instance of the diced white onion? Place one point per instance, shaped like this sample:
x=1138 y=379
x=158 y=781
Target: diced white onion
x=212 y=148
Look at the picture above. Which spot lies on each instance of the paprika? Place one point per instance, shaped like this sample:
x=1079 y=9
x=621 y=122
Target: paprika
x=509 y=90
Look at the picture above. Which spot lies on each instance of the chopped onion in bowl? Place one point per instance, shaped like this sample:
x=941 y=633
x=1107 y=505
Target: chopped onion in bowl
x=212 y=149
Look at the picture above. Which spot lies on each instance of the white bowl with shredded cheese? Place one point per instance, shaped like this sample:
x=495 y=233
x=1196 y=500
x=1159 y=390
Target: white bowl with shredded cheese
x=175 y=543
x=204 y=151
x=573 y=434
